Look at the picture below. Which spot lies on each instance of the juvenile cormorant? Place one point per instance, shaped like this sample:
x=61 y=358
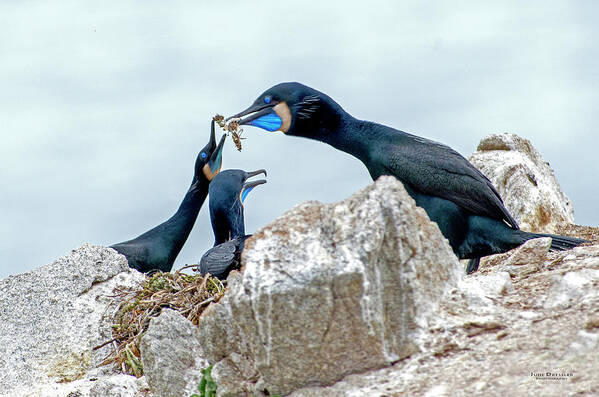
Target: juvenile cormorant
x=157 y=248
x=228 y=190
x=457 y=196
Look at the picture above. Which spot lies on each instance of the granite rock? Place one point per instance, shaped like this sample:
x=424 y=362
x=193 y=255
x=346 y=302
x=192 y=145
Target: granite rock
x=537 y=337
x=53 y=317
x=171 y=352
x=329 y=290
x=525 y=181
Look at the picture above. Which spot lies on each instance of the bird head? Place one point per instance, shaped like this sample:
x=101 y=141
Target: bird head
x=210 y=158
x=227 y=192
x=293 y=108
x=230 y=186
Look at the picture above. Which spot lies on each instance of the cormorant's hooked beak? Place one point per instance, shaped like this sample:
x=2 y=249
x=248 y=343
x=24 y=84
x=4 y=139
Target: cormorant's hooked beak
x=248 y=186
x=270 y=117
x=212 y=141
x=216 y=160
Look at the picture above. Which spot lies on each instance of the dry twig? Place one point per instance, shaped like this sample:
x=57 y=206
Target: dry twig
x=187 y=294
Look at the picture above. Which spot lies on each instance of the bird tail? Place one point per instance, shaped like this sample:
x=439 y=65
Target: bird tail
x=558 y=243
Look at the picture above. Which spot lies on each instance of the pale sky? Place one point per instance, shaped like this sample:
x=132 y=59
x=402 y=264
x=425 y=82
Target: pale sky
x=104 y=106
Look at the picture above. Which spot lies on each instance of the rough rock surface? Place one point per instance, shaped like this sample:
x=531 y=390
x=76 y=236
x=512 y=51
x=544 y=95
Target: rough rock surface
x=104 y=386
x=361 y=296
x=172 y=358
x=525 y=181
x=506 y=341
x=329 y=290
x=52 y=317
x=522 y=260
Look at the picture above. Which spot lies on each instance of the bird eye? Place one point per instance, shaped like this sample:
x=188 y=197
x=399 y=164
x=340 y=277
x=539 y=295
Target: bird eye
x=203 y=155
x=267 y=99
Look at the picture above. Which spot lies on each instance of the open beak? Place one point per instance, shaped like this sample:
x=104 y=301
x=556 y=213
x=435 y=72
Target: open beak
x=263 y=116
x=216 y=160
x=248 y=186
x=257 y=110
x=254 y=173
x=212 y=142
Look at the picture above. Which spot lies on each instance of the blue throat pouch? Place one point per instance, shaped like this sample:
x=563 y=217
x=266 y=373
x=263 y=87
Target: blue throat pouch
x=269 y=122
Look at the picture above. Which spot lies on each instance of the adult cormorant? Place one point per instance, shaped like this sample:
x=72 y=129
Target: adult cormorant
x=228 y=190
x=157 y=248
x=457 y=196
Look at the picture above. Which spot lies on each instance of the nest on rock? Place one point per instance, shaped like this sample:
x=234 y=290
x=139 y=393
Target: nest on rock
x=185 y=293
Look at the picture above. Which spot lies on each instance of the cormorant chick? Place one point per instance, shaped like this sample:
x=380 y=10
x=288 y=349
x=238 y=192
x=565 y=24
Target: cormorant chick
x=228 y=190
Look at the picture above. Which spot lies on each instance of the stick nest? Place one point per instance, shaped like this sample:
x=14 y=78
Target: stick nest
x=185 y=293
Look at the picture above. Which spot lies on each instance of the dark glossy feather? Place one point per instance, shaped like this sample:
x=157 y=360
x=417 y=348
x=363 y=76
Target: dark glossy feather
x=435 y=169
x=219 y=261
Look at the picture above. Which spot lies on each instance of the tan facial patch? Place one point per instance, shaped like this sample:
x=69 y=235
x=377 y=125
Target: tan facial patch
x=208 y=172
x=283 y=111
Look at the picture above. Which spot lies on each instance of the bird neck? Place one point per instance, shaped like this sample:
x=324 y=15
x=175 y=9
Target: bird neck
x=227 y=222
x=349 y=135
x=181 y=223
x=238 y=227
